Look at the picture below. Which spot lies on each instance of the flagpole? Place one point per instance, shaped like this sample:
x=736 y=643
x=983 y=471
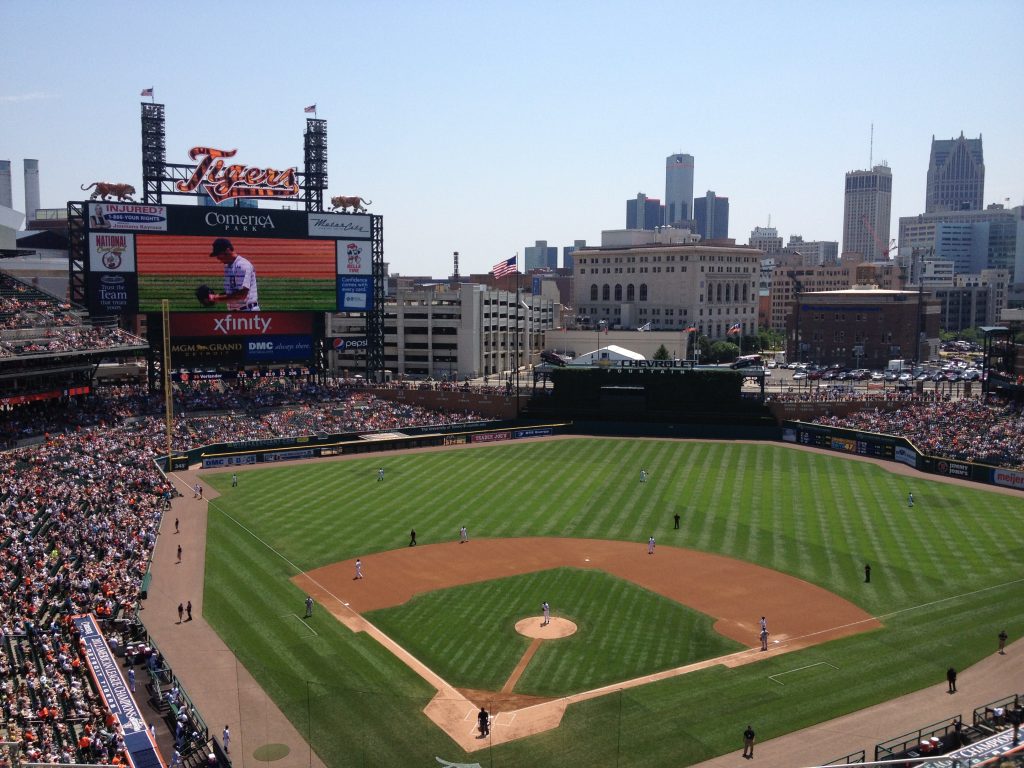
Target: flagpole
x=518 y=281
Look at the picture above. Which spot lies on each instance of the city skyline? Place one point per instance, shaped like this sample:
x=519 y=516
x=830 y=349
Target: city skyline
x=465 y=144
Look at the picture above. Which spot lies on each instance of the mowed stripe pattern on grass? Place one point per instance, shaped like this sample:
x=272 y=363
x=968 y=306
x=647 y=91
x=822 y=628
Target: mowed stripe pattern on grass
x=814 y=516
x=467 y=634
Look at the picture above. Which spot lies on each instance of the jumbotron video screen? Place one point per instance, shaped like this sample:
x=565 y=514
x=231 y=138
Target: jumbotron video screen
x=205 y=258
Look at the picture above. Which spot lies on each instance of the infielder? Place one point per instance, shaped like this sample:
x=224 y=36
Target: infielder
x=547 y=613
x=650 y=546
x=359 y=568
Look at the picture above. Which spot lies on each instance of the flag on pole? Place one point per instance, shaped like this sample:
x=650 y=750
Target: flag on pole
x=310 y=110
x=147 y=92
x=733 y=329
x=645 y=327
x=691 y=329
x=506 y=267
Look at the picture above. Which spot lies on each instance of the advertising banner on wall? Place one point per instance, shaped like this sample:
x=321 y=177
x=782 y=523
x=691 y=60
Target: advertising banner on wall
x=355 y=294
x=240 y=324
x=115 y=693
x=347 y=226
x=129 y=217
x=278 y=349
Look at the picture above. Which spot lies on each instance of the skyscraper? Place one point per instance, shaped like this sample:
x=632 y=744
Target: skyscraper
x=711 y=213
x=678 y=188
x=644 y=212
x=866 y=212
x=956 y=175
x=540 y=256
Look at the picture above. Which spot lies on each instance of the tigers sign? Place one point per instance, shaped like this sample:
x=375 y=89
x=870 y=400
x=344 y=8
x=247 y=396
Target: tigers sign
x=224 y=182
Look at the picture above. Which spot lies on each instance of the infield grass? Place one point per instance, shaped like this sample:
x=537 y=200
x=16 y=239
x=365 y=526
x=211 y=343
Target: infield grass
x=467 y=634
x=814 y=516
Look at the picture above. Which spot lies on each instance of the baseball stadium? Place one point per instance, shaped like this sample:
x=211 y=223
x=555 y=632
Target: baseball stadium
x=234 y=556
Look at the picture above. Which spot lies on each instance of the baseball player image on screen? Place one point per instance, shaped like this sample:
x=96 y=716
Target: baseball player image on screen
x=240 y=291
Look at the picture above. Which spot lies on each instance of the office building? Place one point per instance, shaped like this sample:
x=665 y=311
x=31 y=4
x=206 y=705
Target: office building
x=569 y=250
x=678 y=189
x=669 y=280
x=711 y=214
x=972 y=300
x=540 y=256
x=956 y=175
x=444 y=332
x=790 y=277
x=992 y=238
x=866 y=213
x=644 y=212
x=813 y=253
x=766 y=240
x=863 y=328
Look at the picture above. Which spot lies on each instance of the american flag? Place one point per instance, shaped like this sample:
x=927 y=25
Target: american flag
x=691 y=329
x=310 y=110
x=733 y=329
x=146 y=92
x=506 y=267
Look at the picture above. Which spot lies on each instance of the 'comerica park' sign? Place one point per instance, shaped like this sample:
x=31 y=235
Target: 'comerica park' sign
x=224 y=182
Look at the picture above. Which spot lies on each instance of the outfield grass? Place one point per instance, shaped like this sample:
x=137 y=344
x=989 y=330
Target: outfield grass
x=278 y=294
x=816 y=517
x=467 y=634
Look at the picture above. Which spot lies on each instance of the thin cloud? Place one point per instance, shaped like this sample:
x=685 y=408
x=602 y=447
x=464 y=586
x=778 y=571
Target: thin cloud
x=20 y=97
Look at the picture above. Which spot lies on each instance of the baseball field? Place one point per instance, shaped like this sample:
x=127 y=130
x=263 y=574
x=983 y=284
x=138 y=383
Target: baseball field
x=662 y=664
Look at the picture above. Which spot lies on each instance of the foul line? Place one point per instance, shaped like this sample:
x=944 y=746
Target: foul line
x=302 y=620
x=798 y=669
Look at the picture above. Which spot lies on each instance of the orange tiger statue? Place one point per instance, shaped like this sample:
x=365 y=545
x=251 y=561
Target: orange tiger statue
x=104 y=189
x=355 y=202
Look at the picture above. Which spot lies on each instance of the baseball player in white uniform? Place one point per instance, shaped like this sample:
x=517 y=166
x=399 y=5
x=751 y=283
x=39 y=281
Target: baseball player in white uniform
x=240 y=290
x=547 y=612
x=650 y=546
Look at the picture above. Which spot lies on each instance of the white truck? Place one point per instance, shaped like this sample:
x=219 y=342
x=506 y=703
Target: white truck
x=899 y=365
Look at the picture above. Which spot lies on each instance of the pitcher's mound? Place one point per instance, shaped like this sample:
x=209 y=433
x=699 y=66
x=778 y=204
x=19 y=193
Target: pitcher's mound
x=534 y=627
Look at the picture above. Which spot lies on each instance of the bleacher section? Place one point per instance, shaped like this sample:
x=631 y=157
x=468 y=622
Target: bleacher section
x=32 y=322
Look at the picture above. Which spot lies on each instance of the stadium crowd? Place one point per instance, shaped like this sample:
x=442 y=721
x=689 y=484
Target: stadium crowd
x=79 y=516
x=33 y=323
x=967 y=430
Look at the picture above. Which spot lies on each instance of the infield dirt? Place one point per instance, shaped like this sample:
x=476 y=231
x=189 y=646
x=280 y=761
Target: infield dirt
x=734 y=592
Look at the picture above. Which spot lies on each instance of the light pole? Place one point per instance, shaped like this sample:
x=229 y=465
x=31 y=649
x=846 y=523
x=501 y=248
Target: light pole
x=600 y=325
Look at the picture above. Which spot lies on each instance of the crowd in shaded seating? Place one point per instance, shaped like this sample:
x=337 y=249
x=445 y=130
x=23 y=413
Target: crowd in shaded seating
x=988 y=432
x=79 y=515
x=849 y=395
x=34 y=323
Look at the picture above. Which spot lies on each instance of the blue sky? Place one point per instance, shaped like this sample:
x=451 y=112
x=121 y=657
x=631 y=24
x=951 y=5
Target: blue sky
x=481 y=127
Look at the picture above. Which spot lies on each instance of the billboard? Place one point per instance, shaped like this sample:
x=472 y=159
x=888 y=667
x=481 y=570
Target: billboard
x=219 y=260
x=242 y=338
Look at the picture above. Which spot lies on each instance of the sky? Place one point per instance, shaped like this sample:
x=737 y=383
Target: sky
x=480 y=127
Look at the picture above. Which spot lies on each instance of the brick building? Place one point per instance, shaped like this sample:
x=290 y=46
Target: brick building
x=862 y=327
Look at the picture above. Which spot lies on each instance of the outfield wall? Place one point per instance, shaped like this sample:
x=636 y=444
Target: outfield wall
x=892 y=448
x=316 y=446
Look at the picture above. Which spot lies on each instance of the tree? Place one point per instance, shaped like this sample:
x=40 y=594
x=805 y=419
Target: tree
x=722 y=351
x=661 y=354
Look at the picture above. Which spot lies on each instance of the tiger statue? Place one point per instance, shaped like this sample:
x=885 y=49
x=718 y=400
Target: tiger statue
x=356 y=203
x=105 y=189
